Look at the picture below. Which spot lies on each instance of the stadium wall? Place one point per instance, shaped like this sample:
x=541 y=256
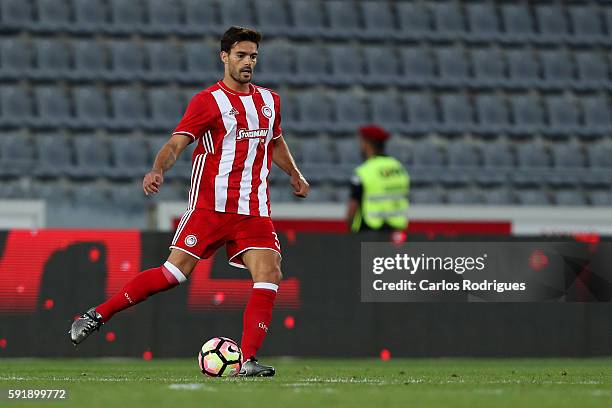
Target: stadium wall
x=48 y=276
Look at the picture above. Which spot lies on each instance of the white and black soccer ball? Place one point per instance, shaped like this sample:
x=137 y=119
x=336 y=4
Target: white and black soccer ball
x=220 y=357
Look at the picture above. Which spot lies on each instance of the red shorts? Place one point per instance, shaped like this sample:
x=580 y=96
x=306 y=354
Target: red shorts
x=201 y=232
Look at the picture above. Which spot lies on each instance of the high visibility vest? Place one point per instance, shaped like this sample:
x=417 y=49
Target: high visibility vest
x=385 y=185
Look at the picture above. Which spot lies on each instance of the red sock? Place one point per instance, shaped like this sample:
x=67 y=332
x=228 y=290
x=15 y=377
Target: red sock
x=257 y=317
x=143 y=285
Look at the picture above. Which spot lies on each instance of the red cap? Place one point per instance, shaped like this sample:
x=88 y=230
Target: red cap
x=374 y=132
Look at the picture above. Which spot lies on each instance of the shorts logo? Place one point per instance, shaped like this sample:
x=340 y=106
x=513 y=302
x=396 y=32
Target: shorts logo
x=191 y=240
x=252 y=134
x=267 y=111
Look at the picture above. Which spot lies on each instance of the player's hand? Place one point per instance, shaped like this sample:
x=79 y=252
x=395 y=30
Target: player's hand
x=301 y=188
x=152 y=182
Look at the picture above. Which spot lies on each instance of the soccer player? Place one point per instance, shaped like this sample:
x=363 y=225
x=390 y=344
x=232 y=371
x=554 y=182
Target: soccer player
x=237 y=128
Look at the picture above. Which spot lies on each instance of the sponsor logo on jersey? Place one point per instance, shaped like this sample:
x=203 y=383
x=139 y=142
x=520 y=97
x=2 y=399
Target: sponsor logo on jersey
x=233 y=112
x=267 y=111
x=252 y=134
x=191 y=240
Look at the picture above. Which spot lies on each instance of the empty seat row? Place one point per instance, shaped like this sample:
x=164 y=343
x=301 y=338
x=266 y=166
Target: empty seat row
x=337 y=19
x=307 y=64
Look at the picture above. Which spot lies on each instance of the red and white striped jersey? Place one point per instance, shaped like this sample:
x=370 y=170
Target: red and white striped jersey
x=232 y=161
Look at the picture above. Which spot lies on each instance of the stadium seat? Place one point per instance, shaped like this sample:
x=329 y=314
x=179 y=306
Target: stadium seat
x=129 y=197
x=127 y=61
x=401 y=150
x=14 y=190
x=93 y=197
x=517 y=23
x=551 y=23
x=172 y=192
x=311 y=64
x=414 y=20
x=570 y=198
x=563 y=116
x=167 y=107
x=54 y=193
x=523 y=69
x=378 y=20
x=428 y=154
x=17 y=155
x=126 y=17
x=16 y=58
x=53 y=60
x=92 y=158
x=558 y=69
x=418 y=66
x=489 y=69
x=448 y=20
x=425 y=196
x=314 y=112
x=275 y=64
x=483 y=22
x=533 y=197
x=350 y=112
x=601 y=198
x=463 y=197
x=597 y=119
x=128 y=109
x=90 y=60
x=130 y=158
x=53 y=16
x=53 y=107
x=165 y=61
x=343 y=71
x=236 y=12
x=317 y=159
x=272 y=17
x=532 y=156
x=165 y=17
x=587 y=25
x=421 y=112
x=567 y=156
x=528 y=115
x=15 y=15
x=593 y=71
x=497 y=154
x=387 y=110
x=493 y=115
x=343 y=20
x=461 y=155
x=349 y=152
x=457 y=113
x=381 y=66
x=453 y=67
x=201 y=18
x=202 y=63
x=90 y=16
x=308 y=20
x=16 y=106
x=501 y=196
x=90 y=107
x=54 y=156
x=600 y=156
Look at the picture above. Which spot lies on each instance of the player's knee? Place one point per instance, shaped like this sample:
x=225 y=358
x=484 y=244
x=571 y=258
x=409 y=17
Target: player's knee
x=268 y=273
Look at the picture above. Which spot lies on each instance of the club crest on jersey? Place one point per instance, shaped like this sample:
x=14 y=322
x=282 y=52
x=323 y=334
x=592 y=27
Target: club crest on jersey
x=252 y=134
x=191 y=240
x=267 y=111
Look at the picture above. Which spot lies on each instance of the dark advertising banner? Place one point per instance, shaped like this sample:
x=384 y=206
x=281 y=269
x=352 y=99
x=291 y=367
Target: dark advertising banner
x=49 y=276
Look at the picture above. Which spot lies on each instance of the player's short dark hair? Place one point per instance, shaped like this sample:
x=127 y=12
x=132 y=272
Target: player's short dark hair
x=378 y=145
x=235 y=34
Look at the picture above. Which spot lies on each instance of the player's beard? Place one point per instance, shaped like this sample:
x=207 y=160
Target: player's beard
x=237 y=76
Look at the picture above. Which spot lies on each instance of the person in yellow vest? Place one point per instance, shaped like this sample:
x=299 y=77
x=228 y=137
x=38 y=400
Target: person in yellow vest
x=379 y=186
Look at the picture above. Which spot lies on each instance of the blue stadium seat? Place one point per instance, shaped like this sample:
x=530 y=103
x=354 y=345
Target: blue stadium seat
x=127 y=17
x=15 y=57
x=275 y=64
x=378 y=20
x=128 y=108
x=165 y=61
x=558 y=69
x=387 y=110
x=308 y=20
x=414 y=20
x=597 y=118
x=343 y=20
x=528 y=115
x=587 y=25
x=53 y=193
x=92 y=197
x=567 y=156
x=90 y=60
x=351 y=112
x=533 y=197
x=501 y=196
x=92 y=158
x=15 y=15
x=317 y=159
x=53 y=107
x=314 y=112
x=311 y=64
x=463 y=197
x=203 y=64
x=551 y=23
x=236 y=12
x=129 y=197
x=272 y=17
x=90 y=108
x=16 y=105
x=523 y=69
x=349 y=152
x=165 y=17
x=457 y=113
x=532 y=156
x=428 y=154
x=381 y=66
x=453 y=67
x=489 y=69
x=127 y=61
x=90 y=16
x=167 y=107
x=172 y=192
x=54 y=156
x=17 y=155
x=426 y=196
x=53 y=60
x=493 y=115
x=599 y=156
x=517 y=22
x=593 y=71
x=421 y=112
x=201 y=18
x=601 y=198
x=570 y=198
x=53 y=16
x=401 y=150
x=497 y=155
x=130 y=158
x=344 y=73
x=418 y=66
x=462 y=155
x=483 y=22
x=563 y=117
x=448 y=20
x=14 y=190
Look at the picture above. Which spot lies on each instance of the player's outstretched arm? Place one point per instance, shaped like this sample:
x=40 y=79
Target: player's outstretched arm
x=283 y=159
x=165 y=159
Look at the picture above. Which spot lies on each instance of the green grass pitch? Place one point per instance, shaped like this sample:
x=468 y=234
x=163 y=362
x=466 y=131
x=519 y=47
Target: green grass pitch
x=125 y=383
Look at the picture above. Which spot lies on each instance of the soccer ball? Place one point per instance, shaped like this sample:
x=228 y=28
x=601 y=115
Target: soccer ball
x=220 y=357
